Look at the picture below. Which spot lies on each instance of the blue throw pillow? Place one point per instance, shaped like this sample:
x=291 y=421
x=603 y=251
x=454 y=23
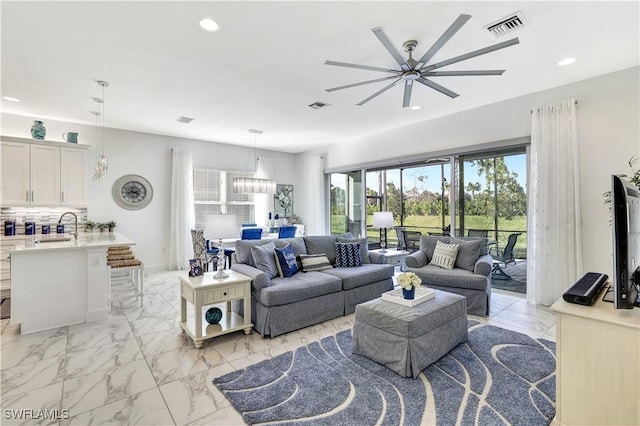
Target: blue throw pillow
x=348 y=255
x=286 y=261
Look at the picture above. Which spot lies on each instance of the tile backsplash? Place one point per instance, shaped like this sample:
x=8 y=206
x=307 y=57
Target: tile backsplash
x=42 y=216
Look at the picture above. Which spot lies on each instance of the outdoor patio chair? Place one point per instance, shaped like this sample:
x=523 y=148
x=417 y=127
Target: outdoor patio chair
x=478 y=233
x=505 y=257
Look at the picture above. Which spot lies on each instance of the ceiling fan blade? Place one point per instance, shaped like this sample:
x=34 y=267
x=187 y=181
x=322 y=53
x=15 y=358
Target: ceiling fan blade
x=473 y=54
x=455 y=73
x=386 y=42
x=364 y=67
x=444 y=38
x=437 y=87
x=360 y=84
x=408 y=86
x=384 y=89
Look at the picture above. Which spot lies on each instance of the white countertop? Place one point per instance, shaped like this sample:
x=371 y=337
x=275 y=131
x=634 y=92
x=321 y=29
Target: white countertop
x=85 y=240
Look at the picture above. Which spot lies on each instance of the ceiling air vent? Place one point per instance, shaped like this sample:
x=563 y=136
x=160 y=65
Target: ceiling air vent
x=507 y=25
x=185 y=120
x=318 y=105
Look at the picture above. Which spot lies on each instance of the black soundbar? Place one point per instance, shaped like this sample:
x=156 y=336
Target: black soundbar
x=586 y=290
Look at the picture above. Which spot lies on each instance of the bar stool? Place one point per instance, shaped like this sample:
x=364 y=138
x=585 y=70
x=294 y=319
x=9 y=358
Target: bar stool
x=129 y=271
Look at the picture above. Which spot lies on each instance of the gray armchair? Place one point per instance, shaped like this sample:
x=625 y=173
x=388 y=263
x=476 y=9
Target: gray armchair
x=470 y=276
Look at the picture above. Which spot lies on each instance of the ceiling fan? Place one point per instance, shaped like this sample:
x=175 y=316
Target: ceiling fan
x=412 y=70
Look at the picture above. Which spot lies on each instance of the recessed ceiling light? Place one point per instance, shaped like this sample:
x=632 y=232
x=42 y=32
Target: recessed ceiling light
x=416 y=107
x=209 y=24
x=567 y=61
x=10 y=98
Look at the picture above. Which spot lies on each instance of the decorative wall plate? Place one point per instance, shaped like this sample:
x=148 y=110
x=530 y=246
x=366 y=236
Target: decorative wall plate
x=132 y=192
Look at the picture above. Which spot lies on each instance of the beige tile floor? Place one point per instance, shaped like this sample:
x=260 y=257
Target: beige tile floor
x=139 y=368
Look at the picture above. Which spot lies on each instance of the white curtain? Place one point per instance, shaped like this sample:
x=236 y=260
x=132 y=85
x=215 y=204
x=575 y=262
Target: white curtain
x=316 y=222
x=263 y=202
x=554 y=248
x=182 y=213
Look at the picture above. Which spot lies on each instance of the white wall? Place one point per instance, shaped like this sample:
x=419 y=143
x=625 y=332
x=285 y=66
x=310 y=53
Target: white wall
x=147 y=155
x=608 y=122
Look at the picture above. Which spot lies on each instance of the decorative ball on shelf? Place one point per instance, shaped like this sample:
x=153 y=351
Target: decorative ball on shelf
x=213 y=315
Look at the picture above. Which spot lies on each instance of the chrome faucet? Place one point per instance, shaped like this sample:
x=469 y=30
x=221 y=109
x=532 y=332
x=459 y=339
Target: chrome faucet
x=75 y=234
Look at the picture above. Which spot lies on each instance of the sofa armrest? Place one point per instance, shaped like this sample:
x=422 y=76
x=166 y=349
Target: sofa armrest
x=259 y=279
x=483 y=266
x=416 y=260
x=375 y=257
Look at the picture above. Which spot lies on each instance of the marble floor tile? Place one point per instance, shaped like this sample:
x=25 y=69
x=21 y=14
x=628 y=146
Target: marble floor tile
x=90 y=335
x=106 y=386
x=24 y=351
x=33 y=375
x=155 y=323
x=82 y=363
x=227 y=416
x=164 y=341
x=193 y=397
x=144 y=408
x=45 y=398
x=176 y=364
x=254 y=358
x=12 y=335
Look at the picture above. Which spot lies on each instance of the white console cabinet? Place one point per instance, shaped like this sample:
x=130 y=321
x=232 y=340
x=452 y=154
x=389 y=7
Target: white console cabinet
x=37 y=173
x=597 y=364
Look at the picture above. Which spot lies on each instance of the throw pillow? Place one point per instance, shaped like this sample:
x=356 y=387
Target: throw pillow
x=264 y=258
x=287 y=265
x=364 y=247
x=348 y=255
x=445 y=255
x=428 y=244
x=314 y=262
x=468 y=253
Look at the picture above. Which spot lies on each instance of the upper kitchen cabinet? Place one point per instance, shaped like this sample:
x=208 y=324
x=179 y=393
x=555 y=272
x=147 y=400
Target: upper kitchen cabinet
x=38 y=173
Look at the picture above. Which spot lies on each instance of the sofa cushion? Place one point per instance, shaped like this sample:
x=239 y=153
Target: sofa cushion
x=322 y=244
x=362 y=275
x=364 y=247
x=314 y=262
x=468 y=253
x=283 y=291
x=286 y=261
x=428 y=244
x=460 y=278
x=243 y=250
x=348 y=255
x=445 y=255
x=265 y=259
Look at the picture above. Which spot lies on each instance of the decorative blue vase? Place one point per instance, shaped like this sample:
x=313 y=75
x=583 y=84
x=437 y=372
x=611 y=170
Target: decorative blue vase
x=213 y=315
x=409 y=294
x=38 y=131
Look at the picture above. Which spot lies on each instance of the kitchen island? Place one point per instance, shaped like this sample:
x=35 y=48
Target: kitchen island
x=59 y=283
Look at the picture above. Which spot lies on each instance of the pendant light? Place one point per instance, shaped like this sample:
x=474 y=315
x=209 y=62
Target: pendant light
x=102 y=161
x=254 y=185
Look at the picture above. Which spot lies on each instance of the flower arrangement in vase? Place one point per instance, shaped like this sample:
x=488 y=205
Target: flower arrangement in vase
x=409 y=281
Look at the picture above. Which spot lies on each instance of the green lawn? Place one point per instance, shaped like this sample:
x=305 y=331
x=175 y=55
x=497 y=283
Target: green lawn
x=427 y=224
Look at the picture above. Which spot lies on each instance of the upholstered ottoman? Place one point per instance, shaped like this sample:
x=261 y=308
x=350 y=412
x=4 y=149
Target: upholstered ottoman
x=409 y=339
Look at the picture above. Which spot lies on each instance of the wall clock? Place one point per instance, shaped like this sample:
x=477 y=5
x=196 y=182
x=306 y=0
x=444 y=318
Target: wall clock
x=132 y=192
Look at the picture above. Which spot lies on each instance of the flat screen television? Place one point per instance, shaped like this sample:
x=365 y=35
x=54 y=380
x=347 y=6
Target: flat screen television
x=625 y=209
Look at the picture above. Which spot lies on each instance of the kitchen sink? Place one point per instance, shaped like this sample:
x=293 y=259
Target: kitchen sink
x=53 y=240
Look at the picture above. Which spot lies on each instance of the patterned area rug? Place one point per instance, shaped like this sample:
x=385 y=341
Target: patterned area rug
x=497 y=377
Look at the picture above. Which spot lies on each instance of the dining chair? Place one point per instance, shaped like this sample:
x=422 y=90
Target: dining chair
x=251 y=233
x=287 y=231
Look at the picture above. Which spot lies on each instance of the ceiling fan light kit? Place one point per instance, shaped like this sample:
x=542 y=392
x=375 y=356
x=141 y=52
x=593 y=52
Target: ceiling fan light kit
x=412 y=70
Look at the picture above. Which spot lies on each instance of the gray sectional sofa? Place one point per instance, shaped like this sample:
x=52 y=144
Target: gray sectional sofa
x=280 y=305
x=470 y=276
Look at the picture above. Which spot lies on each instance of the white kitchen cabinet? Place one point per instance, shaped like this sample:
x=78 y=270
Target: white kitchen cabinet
x=36 y=173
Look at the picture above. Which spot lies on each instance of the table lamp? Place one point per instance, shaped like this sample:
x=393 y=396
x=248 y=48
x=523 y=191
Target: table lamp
x=383 y=220
x=219 y=226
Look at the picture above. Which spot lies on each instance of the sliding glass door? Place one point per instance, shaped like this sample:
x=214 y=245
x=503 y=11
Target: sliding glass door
x=346 y=210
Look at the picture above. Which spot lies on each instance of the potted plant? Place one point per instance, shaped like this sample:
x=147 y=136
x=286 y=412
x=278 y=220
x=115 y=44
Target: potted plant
x=102 y=226
x=111 y=225
x=89 y=225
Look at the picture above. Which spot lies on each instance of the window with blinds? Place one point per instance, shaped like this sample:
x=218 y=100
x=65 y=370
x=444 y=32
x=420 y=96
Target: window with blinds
x=213 y=194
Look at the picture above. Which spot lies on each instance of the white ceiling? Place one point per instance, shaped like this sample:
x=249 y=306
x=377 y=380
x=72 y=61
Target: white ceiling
x=266 y=64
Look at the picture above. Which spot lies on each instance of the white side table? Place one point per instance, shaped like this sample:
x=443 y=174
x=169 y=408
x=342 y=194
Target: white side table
x=206 y=290
x=393 y=257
